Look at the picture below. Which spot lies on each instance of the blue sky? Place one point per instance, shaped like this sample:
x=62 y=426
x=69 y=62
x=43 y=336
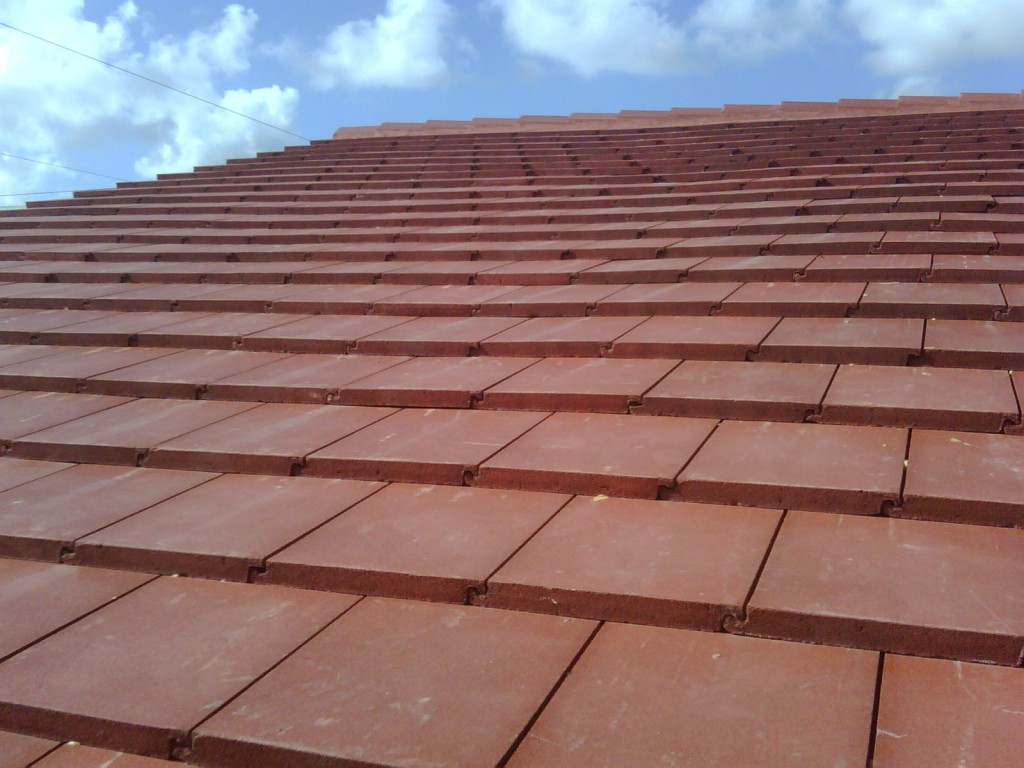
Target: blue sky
x=313 y=65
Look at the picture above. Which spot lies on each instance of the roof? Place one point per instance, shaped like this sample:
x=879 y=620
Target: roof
x=649 y=441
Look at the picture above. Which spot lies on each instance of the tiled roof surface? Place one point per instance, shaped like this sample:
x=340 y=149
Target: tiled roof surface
x=663 y=444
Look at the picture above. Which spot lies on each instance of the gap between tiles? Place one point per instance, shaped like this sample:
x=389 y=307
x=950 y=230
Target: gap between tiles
x=752 y=355
x=671 y=492
x=152 y=577
x=182 y=750
x=897 y=506
x=854 y=309
x=478 y=595
x=257 y=572
x=1017 y=427
x=68 y=552
x=876 y=706
x=813 y=415
x=735 y=624
x=547 y=699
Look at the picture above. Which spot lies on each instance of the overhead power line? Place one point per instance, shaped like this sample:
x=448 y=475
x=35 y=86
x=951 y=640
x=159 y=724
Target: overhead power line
x=151 y=80
x=60 y=165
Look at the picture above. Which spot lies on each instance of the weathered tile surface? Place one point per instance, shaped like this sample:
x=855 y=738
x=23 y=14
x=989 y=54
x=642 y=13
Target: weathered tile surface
x=222 y=638
x=650 y=696
x=382 y=678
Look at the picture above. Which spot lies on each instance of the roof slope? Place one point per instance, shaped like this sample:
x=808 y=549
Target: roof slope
x=677 y=444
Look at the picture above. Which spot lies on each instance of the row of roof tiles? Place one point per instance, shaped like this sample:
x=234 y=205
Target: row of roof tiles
x=524 y=206
x=107 y=278
x=935 y=398
x=955 y=301
x=244 y=231
x=805 y=576
x=894 y=341
x=241 y=658
x=793 y=465
x=825 y=243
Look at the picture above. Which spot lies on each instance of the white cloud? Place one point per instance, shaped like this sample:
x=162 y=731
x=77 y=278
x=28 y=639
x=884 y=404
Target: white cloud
x=401 y=48
x=756 y=29
x=911 y=42
x=916 y=41
x=637 y=37
x=55 y=102
x=206 y=136
x=630 y=36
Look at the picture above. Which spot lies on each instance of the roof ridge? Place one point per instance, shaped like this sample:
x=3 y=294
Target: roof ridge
x=685 y=116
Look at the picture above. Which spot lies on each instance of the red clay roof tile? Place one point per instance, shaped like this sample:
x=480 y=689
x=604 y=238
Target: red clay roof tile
x=652 y=695
x=399 y=657
x=223 y=637
x=699 y=563
x=113 y=435
x=271 y=439
x=425 y=542
x=935 y=712
x=42 y=520
x=901 y=586
x=19 y=751
x=598 y=453
x=807 y=466
x=40 y=598
x=740 y=390
x=255 y=517
x=302 y=378
x=77 y=756
x=936 y=398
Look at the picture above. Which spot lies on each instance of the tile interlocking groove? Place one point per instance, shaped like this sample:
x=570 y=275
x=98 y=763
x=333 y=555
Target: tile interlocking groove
x=556 y=442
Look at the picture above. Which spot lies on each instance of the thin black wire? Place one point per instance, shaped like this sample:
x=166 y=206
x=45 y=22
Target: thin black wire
x=59 y=165
x=154 y=82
